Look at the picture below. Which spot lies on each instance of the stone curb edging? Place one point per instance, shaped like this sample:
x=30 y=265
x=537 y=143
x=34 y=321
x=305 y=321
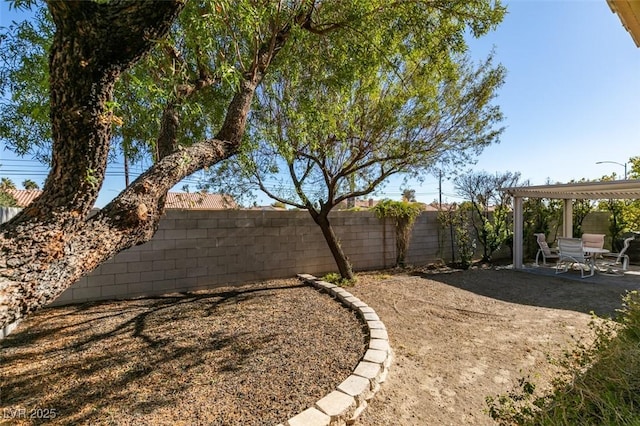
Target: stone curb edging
x=345 y=404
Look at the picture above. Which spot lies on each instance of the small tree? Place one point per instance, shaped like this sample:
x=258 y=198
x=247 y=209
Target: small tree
x=457 y=219
x=404 y=215
x=338 y=138
x=616 y=209
x=6 y=183
x=490 y=216
x=409 y=195
x=617 y=223
x=28 y=184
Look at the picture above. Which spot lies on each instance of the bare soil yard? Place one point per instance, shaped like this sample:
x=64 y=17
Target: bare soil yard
x=260 y=353
x=463 y=336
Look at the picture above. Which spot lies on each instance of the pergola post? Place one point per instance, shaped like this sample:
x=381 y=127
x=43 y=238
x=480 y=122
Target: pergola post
x=518 y=222
x=567 y=218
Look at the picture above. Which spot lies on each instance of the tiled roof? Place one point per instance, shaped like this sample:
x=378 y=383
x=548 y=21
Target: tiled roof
x=268 y=208
x=24 y=197
x=175 y=200
x=199 y=201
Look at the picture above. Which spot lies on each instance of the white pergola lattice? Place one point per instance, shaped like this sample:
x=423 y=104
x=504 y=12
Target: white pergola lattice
x=614 y=190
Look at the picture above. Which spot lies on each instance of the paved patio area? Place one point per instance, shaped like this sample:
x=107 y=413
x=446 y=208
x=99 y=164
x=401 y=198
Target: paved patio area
x=628 y=280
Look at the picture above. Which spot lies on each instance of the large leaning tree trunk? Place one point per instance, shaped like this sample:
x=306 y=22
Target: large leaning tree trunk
x=52 y=243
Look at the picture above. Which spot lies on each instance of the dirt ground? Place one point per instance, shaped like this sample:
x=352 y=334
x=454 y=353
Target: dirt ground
x=463 y=336
x=260 y=353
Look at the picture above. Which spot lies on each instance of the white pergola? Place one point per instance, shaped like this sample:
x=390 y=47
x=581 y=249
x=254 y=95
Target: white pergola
x=613 y=190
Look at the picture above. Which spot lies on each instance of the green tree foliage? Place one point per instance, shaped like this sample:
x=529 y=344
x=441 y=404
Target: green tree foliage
x=631 y=211
x=404 y=215
x=540 y=215
x=190 y=102
x=336 y=137
x=7 y=200
x=29 y=184
x=409 y=195
x=490 y=215
x=178 y=94
x=617 y=222
x=581 y=208
x=6 y=183
x=457 y=219
x=185 y=83
x=24 y=79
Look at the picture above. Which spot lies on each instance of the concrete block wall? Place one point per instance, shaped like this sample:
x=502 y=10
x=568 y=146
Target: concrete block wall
x=423 y=246
x=195 y=249
x=202 y=249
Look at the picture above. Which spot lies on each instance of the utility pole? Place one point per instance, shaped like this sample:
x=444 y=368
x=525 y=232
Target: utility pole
x=126 y=171
x=439 y=190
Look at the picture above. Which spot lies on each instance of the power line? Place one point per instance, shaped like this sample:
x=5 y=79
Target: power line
x=20 y=167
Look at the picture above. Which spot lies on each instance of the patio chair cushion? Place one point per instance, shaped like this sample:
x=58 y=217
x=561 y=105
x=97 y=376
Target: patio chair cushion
x=544 y=250
x=593 y=240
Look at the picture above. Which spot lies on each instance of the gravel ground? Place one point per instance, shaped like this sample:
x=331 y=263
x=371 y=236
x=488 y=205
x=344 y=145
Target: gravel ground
x=251 y=355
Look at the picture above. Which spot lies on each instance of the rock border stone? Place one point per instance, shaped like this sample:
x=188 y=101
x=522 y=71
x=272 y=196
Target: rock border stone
x=347 y=402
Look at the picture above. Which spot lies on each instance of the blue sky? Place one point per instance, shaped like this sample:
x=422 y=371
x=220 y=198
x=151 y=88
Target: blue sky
x=571 y=98
x=571 y=95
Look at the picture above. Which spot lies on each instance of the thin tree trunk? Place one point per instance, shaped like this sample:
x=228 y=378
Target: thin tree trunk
x=402 y=243
x=342 y=262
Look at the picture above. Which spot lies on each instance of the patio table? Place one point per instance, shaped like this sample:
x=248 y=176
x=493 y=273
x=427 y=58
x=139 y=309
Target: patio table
x=593 y=252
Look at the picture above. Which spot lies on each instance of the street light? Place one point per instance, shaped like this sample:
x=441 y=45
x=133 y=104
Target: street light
x=619 y=164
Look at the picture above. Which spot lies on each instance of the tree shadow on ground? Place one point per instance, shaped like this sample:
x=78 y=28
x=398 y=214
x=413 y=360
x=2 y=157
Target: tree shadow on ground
x=78 y=367
x=600 y=294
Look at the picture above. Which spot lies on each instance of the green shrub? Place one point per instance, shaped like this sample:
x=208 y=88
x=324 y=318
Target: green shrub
x=599 y=385
x=404 y=215
x=6 y=200
x=457 y=219
x=336 y=278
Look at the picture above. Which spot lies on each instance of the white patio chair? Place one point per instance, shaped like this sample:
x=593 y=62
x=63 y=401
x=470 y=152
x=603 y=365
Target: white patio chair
x=593 y=240
x=544 y=250
x=571 y=253
x=611 y=260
